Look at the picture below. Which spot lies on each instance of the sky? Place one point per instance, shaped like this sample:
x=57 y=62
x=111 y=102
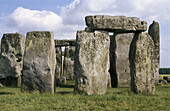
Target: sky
x=65 y=17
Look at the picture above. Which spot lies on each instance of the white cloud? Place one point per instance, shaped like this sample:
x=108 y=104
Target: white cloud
x=23 y=20
x=145 y=9
x=26 y=19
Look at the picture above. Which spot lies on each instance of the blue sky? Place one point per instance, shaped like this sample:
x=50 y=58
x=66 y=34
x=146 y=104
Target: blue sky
x=7 y=6
x=65 y=17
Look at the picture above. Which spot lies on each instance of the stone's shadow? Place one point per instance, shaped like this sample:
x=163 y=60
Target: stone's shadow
x=165 y=87
x=66 y=86
x=63 y=92
x=6 y=93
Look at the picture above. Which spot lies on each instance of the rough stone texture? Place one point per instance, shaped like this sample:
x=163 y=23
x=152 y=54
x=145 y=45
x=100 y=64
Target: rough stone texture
x=62 y=80
x=92 y=62
x=115 y=23
x=59 y=66
x=119 y=59
x=68 y=65
x=12 y=51
x=39 y=62
x=60 y=43
x=142 y=64
x=154 y=33
x=109 y=84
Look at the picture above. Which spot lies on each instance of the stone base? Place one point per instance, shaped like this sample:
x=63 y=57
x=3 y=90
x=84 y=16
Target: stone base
x=10 y=81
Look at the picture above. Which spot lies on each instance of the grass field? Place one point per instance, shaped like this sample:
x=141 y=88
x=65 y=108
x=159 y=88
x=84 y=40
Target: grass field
x=161 y=75
x=116 y=99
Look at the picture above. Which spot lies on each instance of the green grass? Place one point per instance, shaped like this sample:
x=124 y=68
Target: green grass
x=164 y=75
x=116 y=99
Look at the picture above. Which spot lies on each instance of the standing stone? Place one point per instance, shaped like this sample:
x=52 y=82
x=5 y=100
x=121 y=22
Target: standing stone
x=68 y=65
x=154 y=33
x=39 y=62
x=59 y=68
x=119 y=59
x=11 y=61
x=142 y=64
x=92 y=62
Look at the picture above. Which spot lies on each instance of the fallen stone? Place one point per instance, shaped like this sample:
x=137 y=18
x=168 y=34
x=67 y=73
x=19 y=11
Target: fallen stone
x=115 y=23
x=142 y=64
x=167 y=78
x=154 y=33
x=1 y=85
x=68 y=65
x=163 y=81
x=92 y=62
x=119 y=59
x=39 y=62
x=12 y=52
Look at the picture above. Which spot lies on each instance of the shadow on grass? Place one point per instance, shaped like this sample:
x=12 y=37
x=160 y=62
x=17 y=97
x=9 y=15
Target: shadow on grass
x=6 y=93
x=66 y=86
x=64 y=92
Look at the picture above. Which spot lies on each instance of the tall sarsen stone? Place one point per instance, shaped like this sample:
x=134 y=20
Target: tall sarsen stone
x=11 y=60
x=91 y=62
x=154 y=33
x=39 y=62
x=68 y=65
x=119 y=59
x=142 y=64
x=59 y=67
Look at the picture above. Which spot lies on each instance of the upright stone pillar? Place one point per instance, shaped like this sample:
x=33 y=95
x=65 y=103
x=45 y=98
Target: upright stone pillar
x=11 y=61
x=119 y=59
x=92 y=62
x=59 y=68
x=142 y=64
x=154 y=33
x=68 y=65
x=39 y=62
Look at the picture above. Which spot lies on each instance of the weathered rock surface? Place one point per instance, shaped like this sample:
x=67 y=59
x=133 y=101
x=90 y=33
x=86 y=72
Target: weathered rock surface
x=154 y=33
x=60 y=43
x=92 y=62
x=59 y=67
x=119 y=59
x=109 y=84
x=142 y=64
x=68 y=65
x=115 y=23
x=62 y=80
x=39 y=62
x=12 y=51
